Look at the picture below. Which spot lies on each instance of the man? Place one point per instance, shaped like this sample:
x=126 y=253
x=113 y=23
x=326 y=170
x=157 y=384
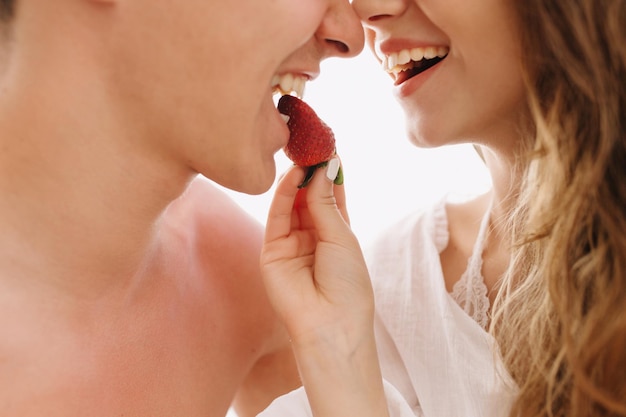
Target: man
x=128 y=284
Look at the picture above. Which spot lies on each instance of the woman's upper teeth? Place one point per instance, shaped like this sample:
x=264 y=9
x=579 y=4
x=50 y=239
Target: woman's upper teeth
x=402 y=60
x=289 y=83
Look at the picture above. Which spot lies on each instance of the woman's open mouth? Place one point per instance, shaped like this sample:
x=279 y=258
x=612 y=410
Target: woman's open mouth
x=408 y=63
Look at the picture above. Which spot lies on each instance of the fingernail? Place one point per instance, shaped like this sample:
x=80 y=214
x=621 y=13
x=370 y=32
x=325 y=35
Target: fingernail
x=332 y=169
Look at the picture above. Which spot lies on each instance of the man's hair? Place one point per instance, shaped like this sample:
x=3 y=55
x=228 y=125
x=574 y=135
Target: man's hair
x=6 y=9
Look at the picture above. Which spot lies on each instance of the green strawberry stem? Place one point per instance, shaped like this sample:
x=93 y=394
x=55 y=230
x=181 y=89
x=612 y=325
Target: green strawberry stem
x=311 y=170
x=339 y=177
x=309 y=173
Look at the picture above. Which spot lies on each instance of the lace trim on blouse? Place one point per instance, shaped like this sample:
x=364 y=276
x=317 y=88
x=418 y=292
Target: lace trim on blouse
x=470 y=292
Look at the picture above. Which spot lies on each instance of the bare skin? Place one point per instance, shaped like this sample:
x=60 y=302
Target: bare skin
x=173 y=340
x=129 y=285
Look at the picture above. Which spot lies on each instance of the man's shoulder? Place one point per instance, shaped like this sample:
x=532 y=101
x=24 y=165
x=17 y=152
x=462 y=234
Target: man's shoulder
x=207 y=234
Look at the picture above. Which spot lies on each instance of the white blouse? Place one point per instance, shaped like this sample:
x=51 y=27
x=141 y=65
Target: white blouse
x=436 y=360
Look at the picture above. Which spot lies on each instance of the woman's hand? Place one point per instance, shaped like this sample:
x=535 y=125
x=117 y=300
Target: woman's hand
x=312 y=263
x=318 y=283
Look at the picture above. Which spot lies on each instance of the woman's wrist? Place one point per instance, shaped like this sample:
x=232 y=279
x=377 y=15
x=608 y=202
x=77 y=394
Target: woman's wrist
x=341 y=374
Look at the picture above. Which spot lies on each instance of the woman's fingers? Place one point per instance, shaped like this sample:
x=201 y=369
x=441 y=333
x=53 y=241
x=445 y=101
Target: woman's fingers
x=326 y=203
x=291 y=206
x=279 y=221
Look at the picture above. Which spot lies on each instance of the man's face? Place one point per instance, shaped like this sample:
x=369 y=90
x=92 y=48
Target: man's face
x=197 y=76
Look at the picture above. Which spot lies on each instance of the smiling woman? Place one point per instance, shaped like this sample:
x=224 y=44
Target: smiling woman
x=510 y=303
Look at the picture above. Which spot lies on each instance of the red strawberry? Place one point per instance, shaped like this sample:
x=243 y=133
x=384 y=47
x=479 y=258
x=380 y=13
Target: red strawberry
x=311 y=142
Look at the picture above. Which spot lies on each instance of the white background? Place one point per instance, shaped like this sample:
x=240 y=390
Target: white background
x=386 y=177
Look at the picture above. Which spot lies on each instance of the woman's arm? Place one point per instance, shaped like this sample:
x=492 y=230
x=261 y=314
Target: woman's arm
x=318 y=283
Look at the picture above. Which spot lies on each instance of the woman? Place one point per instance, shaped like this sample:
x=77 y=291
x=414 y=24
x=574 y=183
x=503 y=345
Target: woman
x=513 y=303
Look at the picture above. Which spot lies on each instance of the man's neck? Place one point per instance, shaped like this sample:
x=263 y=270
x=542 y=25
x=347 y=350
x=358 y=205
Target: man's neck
x=81 y=198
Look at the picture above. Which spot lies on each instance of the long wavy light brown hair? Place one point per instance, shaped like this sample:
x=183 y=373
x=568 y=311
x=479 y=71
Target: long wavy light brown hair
x=560 y=318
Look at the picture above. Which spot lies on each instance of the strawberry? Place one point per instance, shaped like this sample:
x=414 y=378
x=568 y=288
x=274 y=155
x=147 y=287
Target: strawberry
x=311 y=142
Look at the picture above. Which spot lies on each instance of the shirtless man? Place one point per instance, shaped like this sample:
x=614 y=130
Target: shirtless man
x=129 y=285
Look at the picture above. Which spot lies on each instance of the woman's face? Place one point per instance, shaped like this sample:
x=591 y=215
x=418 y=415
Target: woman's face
x=202 y=74
x=468 y=88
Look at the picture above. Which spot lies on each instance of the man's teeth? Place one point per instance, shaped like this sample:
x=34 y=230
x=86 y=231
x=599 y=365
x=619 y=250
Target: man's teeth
x=397 y=62
x=288 y=84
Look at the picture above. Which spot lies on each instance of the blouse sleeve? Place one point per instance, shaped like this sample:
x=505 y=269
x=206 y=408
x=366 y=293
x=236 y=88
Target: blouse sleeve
x=295 y=404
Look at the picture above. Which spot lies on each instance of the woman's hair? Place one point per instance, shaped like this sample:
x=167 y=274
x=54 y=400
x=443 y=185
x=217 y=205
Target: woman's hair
x=560 y=318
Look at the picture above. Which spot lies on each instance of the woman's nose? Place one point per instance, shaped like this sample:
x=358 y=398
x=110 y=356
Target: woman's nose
x=341 y=32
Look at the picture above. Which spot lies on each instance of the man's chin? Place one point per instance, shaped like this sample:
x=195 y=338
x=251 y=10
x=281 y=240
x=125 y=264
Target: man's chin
x=254 y=186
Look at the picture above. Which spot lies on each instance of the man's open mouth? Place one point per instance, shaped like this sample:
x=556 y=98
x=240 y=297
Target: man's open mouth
x=289 y=84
